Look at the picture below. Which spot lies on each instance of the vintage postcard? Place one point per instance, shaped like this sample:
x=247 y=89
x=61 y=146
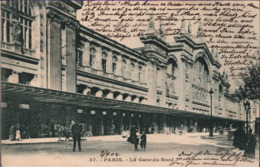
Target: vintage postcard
x=129 y=83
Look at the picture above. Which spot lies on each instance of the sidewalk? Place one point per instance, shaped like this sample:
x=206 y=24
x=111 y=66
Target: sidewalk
x=152 y=137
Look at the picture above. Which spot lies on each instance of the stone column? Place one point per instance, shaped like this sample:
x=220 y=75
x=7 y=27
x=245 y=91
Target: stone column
x=34 y=81
x=155 y=124
x=136 y=100
x=143 y=76
x=151 y=83
x=164 y=122
x=101 y=130
x=119 y=65
x=135 y=77
x=121 y=122
x=86 y=54
x=54 y=55
x=163 y=80
x=119 y=96
x=14 y=77
x=128 y=98
x=71 y=59
x=86 y=91
x=109 y=62
x=89 y=121
x=98 y=59
x=182 y=89
x=99 y=93
x=110 y=95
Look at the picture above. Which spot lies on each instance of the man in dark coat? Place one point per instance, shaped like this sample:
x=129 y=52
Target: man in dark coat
x=76 y=134
x=240 y=138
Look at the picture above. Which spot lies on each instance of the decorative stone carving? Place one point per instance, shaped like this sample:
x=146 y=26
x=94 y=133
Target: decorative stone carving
x=189 y=28
x=200 y=30
x=16 y=29
x=199 y=93
x=64 y=7
x=63 y=19
x=169 y=84
x=183 y=25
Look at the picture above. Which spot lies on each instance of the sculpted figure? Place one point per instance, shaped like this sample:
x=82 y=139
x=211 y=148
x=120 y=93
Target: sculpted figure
x=189 y=28
x=182 y=25
x=16 y=30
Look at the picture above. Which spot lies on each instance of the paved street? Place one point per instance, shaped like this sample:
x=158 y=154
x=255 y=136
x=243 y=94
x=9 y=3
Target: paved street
x=162 y=150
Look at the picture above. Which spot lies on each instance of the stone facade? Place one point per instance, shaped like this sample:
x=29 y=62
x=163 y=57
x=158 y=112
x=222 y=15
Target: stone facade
x=63 y=56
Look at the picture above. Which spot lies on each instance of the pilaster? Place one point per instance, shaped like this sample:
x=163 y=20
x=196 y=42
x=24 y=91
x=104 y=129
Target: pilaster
x=86 y=54
x=71 y=59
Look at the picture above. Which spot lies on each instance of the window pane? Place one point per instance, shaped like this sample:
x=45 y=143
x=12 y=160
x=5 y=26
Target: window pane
x=7 y=31
x=30 y=39
x=3 y=28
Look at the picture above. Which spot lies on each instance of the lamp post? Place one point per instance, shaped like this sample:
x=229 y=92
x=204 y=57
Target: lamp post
x=247 y=108
x=211 y=121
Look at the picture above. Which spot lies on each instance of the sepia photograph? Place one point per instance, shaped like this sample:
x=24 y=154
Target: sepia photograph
x=166 y=83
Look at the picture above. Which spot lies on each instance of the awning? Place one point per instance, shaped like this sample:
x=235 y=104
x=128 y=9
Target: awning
x=11 y=91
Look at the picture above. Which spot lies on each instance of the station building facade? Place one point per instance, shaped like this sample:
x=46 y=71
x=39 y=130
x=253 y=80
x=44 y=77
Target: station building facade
x=54 y=70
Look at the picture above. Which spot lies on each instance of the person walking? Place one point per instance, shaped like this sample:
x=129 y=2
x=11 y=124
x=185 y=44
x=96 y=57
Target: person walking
x=60 y=131
x=250 y=145
x=143 y=141
x=12 y=133
x=76 y=134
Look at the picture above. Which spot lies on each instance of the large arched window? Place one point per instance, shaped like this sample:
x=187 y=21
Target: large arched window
x=202 y=73
x=171 y=77
x=92 y=56
x=17 y=22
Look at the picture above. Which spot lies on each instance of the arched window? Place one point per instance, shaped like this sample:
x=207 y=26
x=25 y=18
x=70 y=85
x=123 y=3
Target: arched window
x=104 y=62
x=17 y=22
x=92 y=56
x=171 y=67
x=171 y=76
x=124 y=68
x=114 y=64
x=202 y=73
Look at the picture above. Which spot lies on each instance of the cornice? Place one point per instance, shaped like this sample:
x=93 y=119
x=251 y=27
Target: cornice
x=93 y=76
x=99 y=37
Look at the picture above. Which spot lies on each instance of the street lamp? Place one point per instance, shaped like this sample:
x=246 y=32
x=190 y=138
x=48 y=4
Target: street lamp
x=211 y=123
x=247 y=108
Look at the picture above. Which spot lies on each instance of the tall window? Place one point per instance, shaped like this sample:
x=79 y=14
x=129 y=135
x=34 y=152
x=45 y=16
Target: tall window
x=132 y=73
x=92 y=56
x=171 y=77
x=19 y=20
x=114 y=63
x=202 y=73
x=124 y=68
x=104 y=62
x=79 y=58
x=139 y=73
